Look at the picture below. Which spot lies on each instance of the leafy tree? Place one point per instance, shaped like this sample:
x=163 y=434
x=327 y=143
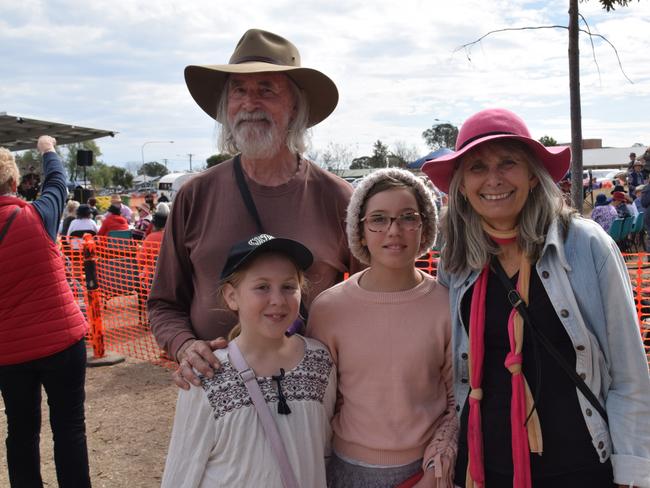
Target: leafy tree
x=548 y=141
x=379 y=158
x=441 y=135
x=99 y=174
x=217 y=158
x=28 y=158
x=70 y=159
x=610 y=4
x=361 y=163
x=121 y=177
x=153 y=169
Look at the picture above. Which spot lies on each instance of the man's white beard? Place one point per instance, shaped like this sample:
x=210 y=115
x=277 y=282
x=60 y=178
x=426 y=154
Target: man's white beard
x=256 y=140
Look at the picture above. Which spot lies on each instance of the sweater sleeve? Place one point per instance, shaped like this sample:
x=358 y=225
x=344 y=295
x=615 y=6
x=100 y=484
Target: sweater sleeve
x=440 y=454
x=172 y=291
x=192 y=441
x=50 y=204
x=329 y=402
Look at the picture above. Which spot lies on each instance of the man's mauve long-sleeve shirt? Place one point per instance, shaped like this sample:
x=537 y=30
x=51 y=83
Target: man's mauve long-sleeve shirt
x=209 y=215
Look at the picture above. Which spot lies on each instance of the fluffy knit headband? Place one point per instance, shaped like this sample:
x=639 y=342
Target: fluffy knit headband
x=429 y=212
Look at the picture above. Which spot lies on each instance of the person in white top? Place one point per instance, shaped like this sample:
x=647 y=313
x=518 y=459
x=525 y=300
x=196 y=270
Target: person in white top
x=84 y=221
x=217 y=439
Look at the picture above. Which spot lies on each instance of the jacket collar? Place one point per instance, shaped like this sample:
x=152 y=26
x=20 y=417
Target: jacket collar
x=554 y=240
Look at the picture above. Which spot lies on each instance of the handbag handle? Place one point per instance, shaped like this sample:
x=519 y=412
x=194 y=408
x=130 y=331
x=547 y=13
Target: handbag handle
x=518 y=303
x=264 y=413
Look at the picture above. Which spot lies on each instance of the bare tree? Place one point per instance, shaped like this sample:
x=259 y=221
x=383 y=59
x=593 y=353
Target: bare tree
x=336 y=157
x=574 y=81
x=405 y=152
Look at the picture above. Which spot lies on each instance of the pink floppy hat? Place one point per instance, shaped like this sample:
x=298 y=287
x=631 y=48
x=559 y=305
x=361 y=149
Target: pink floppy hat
x=488 y=125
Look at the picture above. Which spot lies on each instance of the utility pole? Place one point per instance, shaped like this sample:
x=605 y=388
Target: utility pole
x=190 y=155
x=165 y=161
x=576 y=112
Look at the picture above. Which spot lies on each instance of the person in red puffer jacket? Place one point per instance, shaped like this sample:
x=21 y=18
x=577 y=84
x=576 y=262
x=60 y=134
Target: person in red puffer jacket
x=113 y=221
x=41 y=330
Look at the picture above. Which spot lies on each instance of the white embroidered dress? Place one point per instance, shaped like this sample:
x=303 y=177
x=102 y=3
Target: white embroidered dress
x=218 y=440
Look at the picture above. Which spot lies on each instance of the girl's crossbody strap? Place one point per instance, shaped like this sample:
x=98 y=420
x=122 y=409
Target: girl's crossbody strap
x=264 y=413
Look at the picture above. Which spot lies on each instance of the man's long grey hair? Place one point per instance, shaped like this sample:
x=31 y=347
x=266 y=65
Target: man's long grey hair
x=465 y=244
x=297 y=133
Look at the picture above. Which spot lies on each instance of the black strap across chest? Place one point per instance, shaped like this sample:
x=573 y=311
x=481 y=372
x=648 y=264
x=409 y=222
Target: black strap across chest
x=11 y=218
x=246 y=193
x=518 y=303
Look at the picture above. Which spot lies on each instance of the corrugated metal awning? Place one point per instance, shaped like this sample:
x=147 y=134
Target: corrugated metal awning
x=18 y=133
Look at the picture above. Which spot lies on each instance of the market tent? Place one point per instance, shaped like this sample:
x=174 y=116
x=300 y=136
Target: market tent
x=417 y=164
x=18 y=133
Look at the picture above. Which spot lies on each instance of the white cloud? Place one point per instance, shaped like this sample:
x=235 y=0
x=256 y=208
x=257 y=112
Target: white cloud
x=118 y=65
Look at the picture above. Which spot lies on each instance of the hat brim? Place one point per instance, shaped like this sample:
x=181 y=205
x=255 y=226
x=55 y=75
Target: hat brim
x=293 y=249
x=206 y=84
x=556 y=159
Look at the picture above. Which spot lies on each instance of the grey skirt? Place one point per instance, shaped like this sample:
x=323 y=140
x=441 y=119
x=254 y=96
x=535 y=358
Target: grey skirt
x=341 y=474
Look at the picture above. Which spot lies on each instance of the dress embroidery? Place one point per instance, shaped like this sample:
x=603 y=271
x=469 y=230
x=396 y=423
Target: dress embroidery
x=226 y=391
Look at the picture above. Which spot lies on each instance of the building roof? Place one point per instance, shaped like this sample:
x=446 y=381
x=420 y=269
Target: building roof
x=609 y=157
x=18 y=133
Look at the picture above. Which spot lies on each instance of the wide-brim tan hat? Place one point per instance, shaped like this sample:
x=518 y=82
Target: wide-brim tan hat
x=260 y=51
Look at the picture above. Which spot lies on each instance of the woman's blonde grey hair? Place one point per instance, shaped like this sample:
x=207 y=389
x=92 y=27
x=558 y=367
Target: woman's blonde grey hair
x=71 y=207
x=8 y=171
x=465 y=244
x=297 y=134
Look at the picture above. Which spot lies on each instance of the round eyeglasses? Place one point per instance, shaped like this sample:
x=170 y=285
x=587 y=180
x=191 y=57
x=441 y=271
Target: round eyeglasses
x=381 y=223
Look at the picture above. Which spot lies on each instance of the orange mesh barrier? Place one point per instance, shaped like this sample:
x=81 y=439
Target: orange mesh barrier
x=638 y=266
x=124 y=272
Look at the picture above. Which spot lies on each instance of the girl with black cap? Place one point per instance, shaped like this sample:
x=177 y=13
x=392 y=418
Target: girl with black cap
x=263 y=418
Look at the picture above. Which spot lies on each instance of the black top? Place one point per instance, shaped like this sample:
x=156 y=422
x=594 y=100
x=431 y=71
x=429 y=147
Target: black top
x=567 y=443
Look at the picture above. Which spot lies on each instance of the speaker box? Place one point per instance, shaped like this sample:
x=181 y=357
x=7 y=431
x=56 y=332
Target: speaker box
x=84 y=157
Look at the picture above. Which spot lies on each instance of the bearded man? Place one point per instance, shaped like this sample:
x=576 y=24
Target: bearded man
x=265 y=101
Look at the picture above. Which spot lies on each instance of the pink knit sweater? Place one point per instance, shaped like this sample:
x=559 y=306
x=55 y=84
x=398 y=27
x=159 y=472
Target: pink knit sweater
x=393 y=354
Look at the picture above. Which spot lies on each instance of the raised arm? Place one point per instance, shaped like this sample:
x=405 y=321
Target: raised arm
x=54 y=192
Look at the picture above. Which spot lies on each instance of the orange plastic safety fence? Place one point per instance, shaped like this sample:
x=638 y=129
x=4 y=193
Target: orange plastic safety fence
x=125 y=269
x=638 y=266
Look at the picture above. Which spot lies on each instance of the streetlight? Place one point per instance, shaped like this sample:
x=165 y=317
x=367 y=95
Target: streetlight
x=142 y=153
x=153 y=142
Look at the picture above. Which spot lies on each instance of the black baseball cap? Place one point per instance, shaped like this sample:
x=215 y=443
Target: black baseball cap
x=244 y=251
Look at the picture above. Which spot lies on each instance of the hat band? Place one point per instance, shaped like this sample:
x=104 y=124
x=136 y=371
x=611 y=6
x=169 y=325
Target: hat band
x=251 y=59
x=484 y=134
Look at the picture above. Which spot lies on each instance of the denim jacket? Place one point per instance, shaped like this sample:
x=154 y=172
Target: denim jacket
x=588 y=284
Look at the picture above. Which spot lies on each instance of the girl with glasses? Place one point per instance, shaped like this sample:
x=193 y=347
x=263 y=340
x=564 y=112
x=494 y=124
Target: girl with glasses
x=388 y=330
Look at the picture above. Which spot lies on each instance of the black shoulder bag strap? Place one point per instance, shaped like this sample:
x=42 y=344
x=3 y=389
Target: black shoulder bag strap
x=252 y=210
x=11 y=218
x=246 y=194
x=518 y=303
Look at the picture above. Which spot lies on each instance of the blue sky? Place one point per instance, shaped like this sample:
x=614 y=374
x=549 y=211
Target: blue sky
x=118 y=65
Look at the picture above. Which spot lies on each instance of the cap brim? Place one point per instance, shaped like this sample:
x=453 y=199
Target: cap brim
x=206 y=83
x=556 y=160
x=300 y=254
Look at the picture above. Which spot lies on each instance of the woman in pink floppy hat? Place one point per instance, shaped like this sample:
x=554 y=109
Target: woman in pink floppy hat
x=551 y=380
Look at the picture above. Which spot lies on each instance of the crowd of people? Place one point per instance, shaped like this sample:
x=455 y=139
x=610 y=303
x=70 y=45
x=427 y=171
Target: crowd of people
x=520 y=364
x=622 y=203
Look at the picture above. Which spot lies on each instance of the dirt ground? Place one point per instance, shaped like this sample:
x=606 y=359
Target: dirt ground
x=129 y=414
